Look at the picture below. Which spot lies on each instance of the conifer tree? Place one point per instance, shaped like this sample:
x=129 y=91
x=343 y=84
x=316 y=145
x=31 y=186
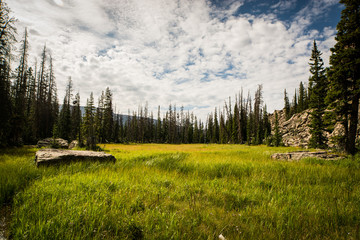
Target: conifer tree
x=302 y=98
x=89 y=124
x=318 y=82
x=286 y=105
x=277 y=135
x=108 y=116
x=64 y=122
x=344 y=73
x=76 y=119
x=7 y=38
x=20 y=88
x=216 y=128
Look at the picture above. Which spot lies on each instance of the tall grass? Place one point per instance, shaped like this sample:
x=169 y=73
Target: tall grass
x=16 y=172
x=191 y=192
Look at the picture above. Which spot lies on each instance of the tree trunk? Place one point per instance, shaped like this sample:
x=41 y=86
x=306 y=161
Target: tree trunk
x=351 y=137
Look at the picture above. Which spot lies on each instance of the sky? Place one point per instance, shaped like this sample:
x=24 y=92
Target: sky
x=190 y=53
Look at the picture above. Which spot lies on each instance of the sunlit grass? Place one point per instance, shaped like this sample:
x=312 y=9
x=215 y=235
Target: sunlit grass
x=189 y=192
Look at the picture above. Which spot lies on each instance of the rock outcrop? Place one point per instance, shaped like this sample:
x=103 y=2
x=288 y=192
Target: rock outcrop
x=294 y=156
x=54 y=143
x=49 y=156
x=74 y=144
x=296 y=130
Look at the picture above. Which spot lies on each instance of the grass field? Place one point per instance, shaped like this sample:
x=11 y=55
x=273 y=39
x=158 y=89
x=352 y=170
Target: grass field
x=182 y=192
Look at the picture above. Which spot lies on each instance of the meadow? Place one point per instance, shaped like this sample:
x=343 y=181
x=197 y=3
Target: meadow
x=193 y=191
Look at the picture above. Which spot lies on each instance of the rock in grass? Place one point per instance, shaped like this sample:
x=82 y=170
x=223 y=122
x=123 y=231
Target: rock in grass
x=49 y=156
x=51 y=142
x=74 y=144
x=305 y=154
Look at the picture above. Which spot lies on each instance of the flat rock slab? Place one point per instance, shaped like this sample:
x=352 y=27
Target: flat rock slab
x=304 y=154
x=51 y=156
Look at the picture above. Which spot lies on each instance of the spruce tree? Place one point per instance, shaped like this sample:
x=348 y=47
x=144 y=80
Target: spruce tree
x=7 y=38
x=277 y=135
x=64 y=122
x=108 y=116
x=344 y=73
x=20 y=88
x=76 y=119
x=302 y=98
x=89 y=124
x=318 y=82
x=286 y=105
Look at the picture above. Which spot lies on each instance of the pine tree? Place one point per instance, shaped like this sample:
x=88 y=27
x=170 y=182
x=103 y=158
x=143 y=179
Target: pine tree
x=99 y=119
x=344 y=73
x=76 y=119
x=20 y=88
x=216 y=128
x=258 y=131
x=7 y=38
x=64 y=123
x=277 y=135
x=108 y=116
x=29 y=134
x=235 y=125
x=302 y=98
x=318 y=82
x=286 y=105
x=89 y=124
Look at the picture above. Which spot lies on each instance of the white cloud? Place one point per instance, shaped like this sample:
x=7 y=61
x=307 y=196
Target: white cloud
x=163 y=51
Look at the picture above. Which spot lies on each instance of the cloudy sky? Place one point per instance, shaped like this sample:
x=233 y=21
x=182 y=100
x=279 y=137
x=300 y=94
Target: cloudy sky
x=192 y=53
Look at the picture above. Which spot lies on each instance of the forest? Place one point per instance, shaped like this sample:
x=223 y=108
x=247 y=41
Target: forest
x=30 y=109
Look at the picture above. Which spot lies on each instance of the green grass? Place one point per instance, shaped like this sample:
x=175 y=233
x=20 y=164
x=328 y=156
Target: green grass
x=183 y=192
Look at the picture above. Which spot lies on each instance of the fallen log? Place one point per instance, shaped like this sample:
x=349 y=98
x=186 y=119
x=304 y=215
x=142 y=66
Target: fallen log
x=51 y=156
x=294 y=156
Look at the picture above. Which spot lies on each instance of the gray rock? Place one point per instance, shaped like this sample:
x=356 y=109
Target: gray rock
x=51 y=142
x=49 y=156
x=74 y=144
x=295 y=156
x=296 y=130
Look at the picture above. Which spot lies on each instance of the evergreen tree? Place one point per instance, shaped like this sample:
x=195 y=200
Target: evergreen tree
x=108 y=116
x=64 y=122
x=99 y=119
x=216 y=128
x=89 y=124
x=7 y=37
x=20 y=88
x=258 y=131
x=286 y=105
x=317 y=99
x=344 y=73
x=76 y=119
x=235 y=125
x=302 y=98
x=29 y=133
x=277 y=135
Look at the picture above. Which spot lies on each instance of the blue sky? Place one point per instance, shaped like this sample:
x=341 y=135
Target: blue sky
x=192 y=53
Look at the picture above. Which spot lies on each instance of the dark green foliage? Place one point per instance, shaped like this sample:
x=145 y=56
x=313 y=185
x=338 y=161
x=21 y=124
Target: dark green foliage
x=286 y=105
x=76 y=119
x=318 y=82
x=7 y=31
x=89 y=124
x=64 y=124
x=19 y=95
x=344 y=72
x=108 y=123
x=277 y=136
